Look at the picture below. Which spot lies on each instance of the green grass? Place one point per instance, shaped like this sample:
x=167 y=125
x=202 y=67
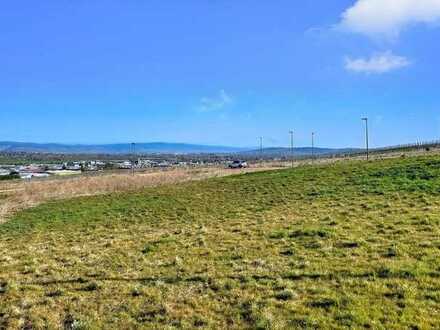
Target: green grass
x=349 y=245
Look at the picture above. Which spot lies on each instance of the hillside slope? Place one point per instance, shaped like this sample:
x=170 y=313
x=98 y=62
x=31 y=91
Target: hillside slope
x=352 y=244
x=299 y=151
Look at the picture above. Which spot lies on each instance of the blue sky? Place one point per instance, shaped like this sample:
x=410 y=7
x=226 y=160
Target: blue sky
x=220 y=72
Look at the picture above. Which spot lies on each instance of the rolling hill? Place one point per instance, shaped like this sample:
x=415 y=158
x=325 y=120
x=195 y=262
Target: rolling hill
x=349 y=245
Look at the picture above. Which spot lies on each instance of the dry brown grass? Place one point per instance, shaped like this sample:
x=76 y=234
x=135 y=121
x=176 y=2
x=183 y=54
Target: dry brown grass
x=19 y=195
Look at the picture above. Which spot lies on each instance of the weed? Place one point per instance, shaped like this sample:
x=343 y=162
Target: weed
x=285 y=295
x=325 y=303
x=309 y=233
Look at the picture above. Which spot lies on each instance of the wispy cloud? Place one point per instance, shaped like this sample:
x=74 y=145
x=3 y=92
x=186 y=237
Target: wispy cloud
x=377 y=63
x=219 y=102
x=387 y=18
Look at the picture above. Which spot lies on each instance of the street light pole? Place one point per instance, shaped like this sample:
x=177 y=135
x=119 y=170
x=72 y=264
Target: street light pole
x=291 y=147
x=133 y=149
x=366 y=137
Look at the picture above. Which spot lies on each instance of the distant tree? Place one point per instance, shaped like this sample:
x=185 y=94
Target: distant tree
x=11 y=176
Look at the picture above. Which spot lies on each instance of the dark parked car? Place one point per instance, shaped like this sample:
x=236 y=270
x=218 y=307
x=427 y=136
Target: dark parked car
x=238 y=164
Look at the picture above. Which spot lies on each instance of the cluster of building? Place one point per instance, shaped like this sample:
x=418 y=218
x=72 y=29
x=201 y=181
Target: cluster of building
x=77 y=167
x=45 y=170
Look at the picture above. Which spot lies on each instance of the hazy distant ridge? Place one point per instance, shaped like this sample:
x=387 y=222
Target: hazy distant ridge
x=120 y=148
x=156 y=148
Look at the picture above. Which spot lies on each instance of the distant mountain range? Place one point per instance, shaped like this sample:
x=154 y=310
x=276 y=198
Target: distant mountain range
x=154 y=148
x=120 y=148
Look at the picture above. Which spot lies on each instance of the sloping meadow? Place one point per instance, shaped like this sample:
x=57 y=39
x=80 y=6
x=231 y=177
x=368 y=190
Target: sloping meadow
x=352 y=244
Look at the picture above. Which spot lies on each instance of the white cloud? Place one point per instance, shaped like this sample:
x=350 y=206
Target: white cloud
x=378 y=63
x=221 y=101
x=387 y=18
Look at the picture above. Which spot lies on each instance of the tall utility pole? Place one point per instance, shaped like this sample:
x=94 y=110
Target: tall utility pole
x=133 y=150
x=291 y=147
x=313 y=146
x=366 y=137
x=261 y=148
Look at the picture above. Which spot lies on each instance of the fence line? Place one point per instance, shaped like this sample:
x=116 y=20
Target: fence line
x=399 y=147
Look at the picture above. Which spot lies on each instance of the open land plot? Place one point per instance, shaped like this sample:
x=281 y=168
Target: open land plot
x=345 y=245
x=21 y=194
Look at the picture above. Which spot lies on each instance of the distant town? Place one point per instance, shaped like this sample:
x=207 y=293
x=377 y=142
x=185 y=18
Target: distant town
x=43 y=170
x=28 y=165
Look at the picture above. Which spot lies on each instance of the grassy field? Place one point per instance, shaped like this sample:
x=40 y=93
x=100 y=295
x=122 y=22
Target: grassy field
x=22 y=194
x=345 y=245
